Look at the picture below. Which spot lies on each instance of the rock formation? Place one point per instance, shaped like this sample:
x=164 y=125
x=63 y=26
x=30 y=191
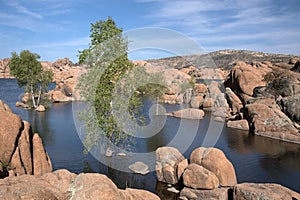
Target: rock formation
x=167 y=160
x=210 y=175
x=21 y=151
x=63 y=185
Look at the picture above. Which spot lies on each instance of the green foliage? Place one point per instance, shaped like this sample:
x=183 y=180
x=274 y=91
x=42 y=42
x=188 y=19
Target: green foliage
x=107 y=63
x=30 y=74
x=102 y=32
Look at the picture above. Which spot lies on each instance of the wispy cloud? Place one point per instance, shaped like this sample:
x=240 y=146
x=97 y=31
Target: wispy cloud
x=22 y=9
x=228 y=21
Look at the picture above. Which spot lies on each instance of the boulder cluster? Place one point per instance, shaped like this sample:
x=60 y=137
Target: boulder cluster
x=63 y=185
x=208 y=174
x=21 y=151
x=260 y=97
x=266 y=96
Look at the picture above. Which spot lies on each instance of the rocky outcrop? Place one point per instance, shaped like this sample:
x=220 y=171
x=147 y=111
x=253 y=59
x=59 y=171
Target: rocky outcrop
x=243 y=78
x=4 y=68
x=249 y=191
x=210 y=175
x=271 y=122
x=167 y=160
x=63 y=184
x=291 y=107
x=66 y=76
x=21 y=151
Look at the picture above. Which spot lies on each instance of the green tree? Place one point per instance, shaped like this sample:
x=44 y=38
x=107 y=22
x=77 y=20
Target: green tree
x=110 y=87
x=107 y=61
x=30 y=74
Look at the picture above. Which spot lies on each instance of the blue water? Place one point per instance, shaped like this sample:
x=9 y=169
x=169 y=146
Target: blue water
x=255 y=158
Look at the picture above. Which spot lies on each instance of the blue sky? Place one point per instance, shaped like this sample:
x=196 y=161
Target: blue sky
x=55 y=29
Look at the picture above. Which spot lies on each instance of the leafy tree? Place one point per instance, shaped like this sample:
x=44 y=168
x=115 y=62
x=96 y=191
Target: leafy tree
x=110 y=87
x=30 y=74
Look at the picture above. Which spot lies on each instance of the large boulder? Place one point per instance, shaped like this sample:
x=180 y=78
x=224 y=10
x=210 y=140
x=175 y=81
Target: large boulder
x=21 y=152
x=189 y=113
x=271 y=122
x=243 y=78
x=249 y=191
x=214 y=160
x=167 y=160
x=10 y=130
x=197 y=177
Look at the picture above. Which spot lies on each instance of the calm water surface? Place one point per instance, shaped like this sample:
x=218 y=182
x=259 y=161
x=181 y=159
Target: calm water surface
x=256 y=159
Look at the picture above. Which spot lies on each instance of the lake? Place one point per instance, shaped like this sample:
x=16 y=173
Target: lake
x=255 y=158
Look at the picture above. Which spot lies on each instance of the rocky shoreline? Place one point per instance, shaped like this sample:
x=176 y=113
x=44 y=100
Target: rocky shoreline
x=241 y=96
x=206 y=174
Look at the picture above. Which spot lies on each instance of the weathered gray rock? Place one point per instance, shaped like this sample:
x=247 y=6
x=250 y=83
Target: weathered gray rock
x=167 y=160
x=271 y=122
x=291 y=107
x=251 y=191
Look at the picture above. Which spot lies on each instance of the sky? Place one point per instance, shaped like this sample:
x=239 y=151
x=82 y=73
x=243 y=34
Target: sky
x=56 y=29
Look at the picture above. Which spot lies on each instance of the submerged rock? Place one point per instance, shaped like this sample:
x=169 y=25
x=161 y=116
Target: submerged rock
x=139 y=168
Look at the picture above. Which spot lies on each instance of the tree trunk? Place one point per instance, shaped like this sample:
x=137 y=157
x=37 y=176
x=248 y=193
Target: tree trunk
x=32 y=97
x=39 y=97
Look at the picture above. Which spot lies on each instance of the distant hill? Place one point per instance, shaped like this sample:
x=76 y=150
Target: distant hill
x=221 y=59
